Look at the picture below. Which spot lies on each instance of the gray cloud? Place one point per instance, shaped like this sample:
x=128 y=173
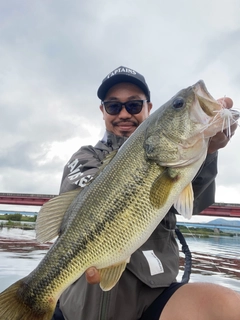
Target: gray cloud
x=55 y=54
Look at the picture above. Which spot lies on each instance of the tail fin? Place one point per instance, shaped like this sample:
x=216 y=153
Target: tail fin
x=13 y=307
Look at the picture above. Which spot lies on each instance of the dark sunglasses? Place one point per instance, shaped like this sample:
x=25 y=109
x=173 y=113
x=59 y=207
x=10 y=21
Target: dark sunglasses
x=114 y=107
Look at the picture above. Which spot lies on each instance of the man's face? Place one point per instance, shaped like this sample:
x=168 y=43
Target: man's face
x=124 y=123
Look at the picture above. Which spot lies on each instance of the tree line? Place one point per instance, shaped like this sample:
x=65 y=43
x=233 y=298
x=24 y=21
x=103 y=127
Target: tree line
x=18 y=217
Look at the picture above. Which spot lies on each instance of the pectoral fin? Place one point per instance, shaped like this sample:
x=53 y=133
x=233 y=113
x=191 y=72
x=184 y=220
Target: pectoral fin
x=184 y=204
x=51 y=215
x=161 y=188
x=111 y=275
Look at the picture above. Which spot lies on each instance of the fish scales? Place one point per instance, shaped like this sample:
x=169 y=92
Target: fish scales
x=103 y=225
x=104 y=228
x=109 y=219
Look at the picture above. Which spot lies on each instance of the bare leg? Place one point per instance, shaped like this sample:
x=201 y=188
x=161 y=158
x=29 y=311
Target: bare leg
x=202 y=301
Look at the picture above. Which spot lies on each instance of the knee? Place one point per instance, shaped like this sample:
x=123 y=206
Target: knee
x=221 y=303
x=230 y=302
x=208 y=300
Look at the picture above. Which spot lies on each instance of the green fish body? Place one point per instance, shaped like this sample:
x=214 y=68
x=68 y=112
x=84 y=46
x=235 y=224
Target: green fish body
x=104 y=223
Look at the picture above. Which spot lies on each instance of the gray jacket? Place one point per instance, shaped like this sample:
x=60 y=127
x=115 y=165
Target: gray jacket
x=152 y=267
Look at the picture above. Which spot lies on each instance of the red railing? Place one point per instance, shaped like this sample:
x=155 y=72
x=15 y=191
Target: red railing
x=24 y=199
x=218 y=209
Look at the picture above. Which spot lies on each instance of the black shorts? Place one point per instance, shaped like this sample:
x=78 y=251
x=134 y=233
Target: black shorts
x=57 y=313
x=154 y=311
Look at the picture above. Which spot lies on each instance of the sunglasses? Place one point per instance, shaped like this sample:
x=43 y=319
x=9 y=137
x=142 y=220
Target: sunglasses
x=114 y=107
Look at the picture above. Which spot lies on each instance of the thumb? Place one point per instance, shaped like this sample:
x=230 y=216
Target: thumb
x=226 y=102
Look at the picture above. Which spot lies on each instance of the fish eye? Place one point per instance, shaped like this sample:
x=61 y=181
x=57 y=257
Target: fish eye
x=178 y=103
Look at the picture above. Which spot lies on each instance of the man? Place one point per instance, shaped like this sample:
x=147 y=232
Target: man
x=125 y=104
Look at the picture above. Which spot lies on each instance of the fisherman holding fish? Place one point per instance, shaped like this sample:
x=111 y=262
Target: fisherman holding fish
x=147 y=288
x=116 y=256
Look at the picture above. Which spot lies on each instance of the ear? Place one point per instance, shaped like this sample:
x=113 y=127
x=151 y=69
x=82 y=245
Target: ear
x=149 y=106
x=102 y=109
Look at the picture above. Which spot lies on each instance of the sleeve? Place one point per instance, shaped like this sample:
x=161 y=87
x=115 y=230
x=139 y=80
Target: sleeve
x=204 y=184
x=80 y=169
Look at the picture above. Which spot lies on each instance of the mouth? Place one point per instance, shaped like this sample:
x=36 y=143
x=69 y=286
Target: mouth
x=208 y=106
x=125 y=126
x=212 y=114
x=207 y=103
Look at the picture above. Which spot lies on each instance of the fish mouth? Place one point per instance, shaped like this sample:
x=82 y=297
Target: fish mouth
x=207 y=103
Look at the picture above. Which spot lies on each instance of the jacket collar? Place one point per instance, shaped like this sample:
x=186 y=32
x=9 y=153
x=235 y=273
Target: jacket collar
x=110 y=140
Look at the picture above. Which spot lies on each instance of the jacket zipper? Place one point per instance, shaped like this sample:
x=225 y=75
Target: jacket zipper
x=105 y=302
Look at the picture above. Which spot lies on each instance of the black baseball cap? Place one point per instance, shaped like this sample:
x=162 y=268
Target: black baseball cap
x=123 y=74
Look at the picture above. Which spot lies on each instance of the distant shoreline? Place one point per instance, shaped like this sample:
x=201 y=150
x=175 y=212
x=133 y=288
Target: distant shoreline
x=18 y=220
x=25 y=222
x=204 y=232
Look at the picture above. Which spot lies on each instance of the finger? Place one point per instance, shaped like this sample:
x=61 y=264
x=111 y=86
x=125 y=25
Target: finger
x=220 y=140
x=232 y=130
x=226 y=102
x=92 y=275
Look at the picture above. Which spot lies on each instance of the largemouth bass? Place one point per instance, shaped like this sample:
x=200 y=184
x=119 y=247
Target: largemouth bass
x=104 y=223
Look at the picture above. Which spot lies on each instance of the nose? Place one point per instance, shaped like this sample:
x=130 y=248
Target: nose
x=124 y=114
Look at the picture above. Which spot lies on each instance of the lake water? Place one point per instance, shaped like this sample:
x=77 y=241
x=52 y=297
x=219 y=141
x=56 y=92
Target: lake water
x=215 y=259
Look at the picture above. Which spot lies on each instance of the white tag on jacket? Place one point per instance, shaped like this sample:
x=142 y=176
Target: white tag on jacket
x=155 y=265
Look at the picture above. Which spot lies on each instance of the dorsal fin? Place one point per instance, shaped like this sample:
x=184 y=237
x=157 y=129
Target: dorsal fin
x=49 y=218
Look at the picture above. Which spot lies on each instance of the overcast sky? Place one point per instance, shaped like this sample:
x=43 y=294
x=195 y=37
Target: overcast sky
x=54 y=55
